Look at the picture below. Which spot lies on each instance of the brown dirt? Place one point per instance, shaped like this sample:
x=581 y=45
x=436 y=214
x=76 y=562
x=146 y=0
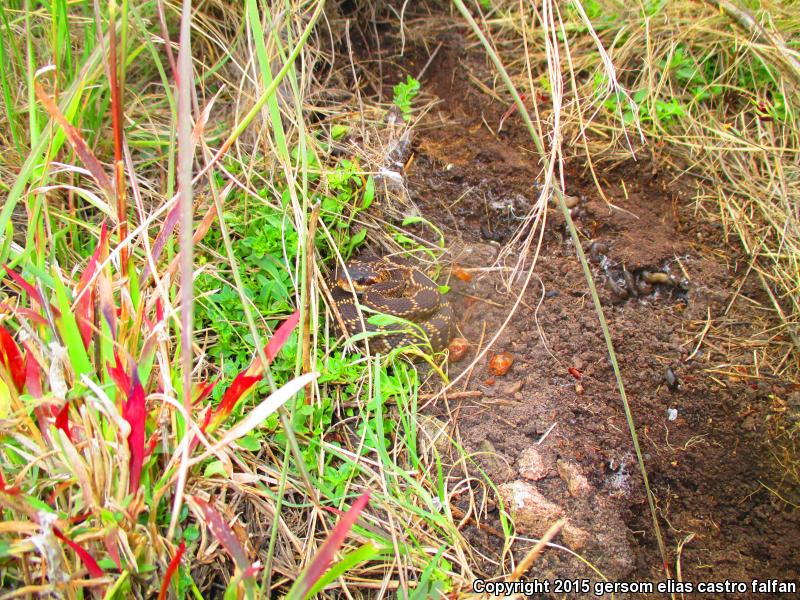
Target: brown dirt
x=706 y=466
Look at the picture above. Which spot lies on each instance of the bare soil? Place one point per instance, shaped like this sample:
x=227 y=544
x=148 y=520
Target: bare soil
x=703 y=435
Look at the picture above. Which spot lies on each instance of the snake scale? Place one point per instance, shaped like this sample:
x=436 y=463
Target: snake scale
x=398 y=290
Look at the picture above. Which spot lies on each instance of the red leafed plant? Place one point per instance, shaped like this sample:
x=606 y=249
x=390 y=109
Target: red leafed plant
x=96 y=379
x=325 y=554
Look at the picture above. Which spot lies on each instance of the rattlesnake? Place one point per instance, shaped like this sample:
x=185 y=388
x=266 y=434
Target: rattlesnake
x=395 y=289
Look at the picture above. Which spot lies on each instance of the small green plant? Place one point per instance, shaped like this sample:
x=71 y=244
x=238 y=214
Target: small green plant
x=404 y=94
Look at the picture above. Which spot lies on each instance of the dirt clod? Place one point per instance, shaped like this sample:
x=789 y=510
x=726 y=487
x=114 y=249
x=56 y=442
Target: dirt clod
x=533 y=514
x=532 y=465
x=577 y=484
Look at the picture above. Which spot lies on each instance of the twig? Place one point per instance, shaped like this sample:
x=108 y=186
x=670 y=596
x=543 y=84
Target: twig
x=702 y=337
x=746 y=21
x=312 y=230
x=534 y=553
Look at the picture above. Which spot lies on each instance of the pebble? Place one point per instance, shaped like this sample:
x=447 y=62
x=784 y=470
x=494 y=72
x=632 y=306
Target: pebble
x=673 y=383
x=500 y=363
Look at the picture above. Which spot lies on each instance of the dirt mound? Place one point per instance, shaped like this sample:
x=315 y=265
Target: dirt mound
x=703 y=434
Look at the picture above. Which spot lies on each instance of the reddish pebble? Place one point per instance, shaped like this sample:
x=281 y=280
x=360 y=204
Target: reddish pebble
x=500 y=363
x=575 y=373
x=461 y=274
x=458 y=349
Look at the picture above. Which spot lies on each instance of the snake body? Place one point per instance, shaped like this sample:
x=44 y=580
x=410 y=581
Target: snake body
x=397 y=290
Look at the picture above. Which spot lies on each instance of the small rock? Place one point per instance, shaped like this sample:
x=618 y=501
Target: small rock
x=433 y=433
x=461 y=273
x=458 y=349
x=577 y=484
x=513 y=388
x=532 y=465
x=598 y=250
x=533 y=514
x=494 y=462
x=673 y=383
x=501 y=363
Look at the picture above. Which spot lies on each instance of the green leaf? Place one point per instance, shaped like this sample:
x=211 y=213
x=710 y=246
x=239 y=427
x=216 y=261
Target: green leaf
x=354 y=241
x=250 y=442
x=5 y=400
x=369 y=193
x=215 y=467
x=368 y=551
x=381 y=320
x=404 y=93
x=68 y=327
x=339 y=131
x=191 y=533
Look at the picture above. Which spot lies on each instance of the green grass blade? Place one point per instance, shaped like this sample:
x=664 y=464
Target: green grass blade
x=68 y=328
x=368 y=551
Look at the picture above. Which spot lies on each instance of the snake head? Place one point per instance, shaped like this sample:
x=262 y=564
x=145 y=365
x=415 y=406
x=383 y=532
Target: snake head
x=362 y=274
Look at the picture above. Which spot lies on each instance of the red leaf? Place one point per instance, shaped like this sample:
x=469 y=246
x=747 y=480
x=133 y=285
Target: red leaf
x=205 y=390
x=206 y=419
x=151 y=445
x=29 y=289
x=12 y=491
x=79 y=518
x=240 y=386
x=133 y=412
x=87 y=559
x=84 y=308
x=33 y=383
x=161 y=239
x=159 y=310
x=275 y=343
x=34 y=317
x=575 y=373
x=223 y=534
x=84 y=315
x=62 y=421
x=203 y=427
x=76 y=141
x=118 y=374
x=325 y=554
x=280 y=336
x=105 y=295
x=171 y=568
x=251 y=571
x=11 y=359
x=111 y=546
x=33 y=374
